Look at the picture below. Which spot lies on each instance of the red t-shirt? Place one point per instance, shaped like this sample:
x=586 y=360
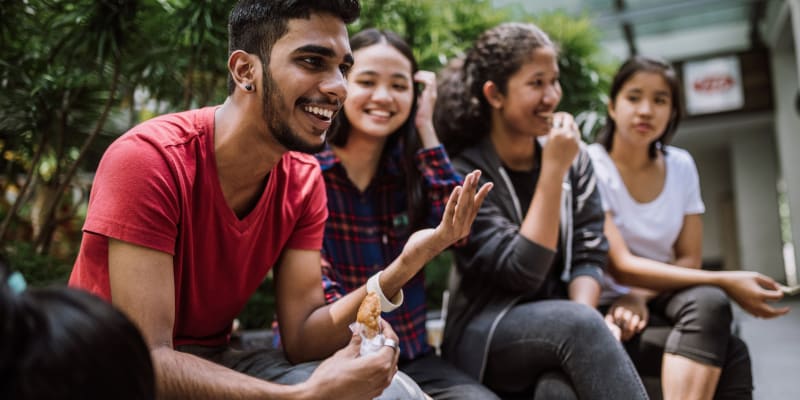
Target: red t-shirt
x=157 y=186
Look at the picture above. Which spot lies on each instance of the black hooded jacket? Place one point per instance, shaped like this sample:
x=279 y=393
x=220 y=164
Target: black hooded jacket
x=497 y=267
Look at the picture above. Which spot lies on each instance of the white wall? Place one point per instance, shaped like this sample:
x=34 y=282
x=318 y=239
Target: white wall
x=737 y=180
x=754 y=172
x=787 y=118
x=713 y=166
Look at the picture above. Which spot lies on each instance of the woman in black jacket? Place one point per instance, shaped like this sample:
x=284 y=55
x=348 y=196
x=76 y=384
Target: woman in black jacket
x=522 y=316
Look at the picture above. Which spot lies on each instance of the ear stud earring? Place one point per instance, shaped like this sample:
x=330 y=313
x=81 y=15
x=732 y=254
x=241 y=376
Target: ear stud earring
x=248 y=87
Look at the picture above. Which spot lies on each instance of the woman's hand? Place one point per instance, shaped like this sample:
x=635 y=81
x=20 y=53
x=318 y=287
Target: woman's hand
x=424 y=118
x=459 y=213
x=562 y=143
x=752 y=291
x=630 y=314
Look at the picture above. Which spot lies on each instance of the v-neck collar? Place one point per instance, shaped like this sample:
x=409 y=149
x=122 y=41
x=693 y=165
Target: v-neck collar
x=224 y=210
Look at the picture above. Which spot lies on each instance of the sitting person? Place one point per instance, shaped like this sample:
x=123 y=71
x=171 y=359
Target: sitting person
x=388 y=180
x=190 y=211
x=651 y=194
x=61 y=343
x=522 y=317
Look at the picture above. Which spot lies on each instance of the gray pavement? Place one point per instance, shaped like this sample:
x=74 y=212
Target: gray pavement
x=775 y=352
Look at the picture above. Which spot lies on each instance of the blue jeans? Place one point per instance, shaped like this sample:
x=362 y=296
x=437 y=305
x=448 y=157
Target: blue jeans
x=553 y=345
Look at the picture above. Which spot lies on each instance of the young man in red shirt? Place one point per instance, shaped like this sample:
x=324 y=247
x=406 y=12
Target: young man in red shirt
x=189 y=212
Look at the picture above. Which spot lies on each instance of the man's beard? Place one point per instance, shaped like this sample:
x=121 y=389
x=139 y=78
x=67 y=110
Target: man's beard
x=276 y=119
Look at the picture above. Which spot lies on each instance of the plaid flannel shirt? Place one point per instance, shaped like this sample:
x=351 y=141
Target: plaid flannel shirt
x=367 y=230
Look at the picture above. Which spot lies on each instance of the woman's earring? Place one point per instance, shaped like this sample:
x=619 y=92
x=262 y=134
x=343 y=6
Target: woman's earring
x=248 y=87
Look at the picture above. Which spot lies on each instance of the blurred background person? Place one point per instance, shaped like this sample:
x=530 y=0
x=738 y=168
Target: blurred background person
x=651 y=194
x=61 y=343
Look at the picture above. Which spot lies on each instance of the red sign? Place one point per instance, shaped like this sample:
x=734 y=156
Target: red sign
x=714 y=83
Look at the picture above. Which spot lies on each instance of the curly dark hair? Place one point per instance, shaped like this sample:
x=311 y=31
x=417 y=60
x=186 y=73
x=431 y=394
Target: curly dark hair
x=405 y=136
x=463 y=115
x=255 y=25
x=628 y=69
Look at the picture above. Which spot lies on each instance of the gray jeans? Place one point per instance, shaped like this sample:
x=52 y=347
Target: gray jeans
x=271 y=365
x=442 y=381
x=545 y=348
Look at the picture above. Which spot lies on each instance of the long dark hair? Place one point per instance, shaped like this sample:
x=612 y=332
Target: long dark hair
x=63 y=343
x=462 y=116
x=626 y=71
x=405 y=136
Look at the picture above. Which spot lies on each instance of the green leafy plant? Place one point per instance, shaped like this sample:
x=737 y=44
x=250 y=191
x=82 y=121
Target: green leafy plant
x=38 y=269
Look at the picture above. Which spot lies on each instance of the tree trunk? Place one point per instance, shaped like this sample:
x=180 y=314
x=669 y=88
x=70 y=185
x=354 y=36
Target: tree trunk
x=12 y=212
x=44 y=238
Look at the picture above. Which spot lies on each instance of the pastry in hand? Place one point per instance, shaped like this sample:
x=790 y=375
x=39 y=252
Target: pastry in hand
x=368 y=314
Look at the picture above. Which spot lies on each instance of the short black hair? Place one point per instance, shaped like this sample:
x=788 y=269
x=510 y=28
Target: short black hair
x=255 y=25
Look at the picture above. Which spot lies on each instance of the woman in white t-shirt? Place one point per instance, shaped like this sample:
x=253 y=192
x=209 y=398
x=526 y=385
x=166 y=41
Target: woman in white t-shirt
x=679 y=327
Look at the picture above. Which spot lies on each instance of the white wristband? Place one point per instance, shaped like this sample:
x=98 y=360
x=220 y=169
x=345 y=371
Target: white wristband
x=374 y=286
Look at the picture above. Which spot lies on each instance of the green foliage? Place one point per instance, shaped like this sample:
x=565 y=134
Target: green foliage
x=584 y=76
x=60 y=76
x=259 y=311
x=436 y=30
x=185 y=63
x=38 y=270
x=437 y=273
x=69 y=70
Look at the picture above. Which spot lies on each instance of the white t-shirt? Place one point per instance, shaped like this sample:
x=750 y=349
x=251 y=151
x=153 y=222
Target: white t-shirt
x=649 y=229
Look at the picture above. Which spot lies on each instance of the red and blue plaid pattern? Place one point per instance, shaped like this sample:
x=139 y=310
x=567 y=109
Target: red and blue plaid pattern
x=367 y=230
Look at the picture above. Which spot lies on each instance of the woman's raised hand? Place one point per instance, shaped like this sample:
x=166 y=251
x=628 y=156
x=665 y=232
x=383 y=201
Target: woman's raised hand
x=459 y=213
x=424 y=118
x=563 y=143
x=462 y=208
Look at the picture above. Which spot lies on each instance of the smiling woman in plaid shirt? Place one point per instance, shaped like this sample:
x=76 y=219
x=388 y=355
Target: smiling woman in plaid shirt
x=387 y=177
